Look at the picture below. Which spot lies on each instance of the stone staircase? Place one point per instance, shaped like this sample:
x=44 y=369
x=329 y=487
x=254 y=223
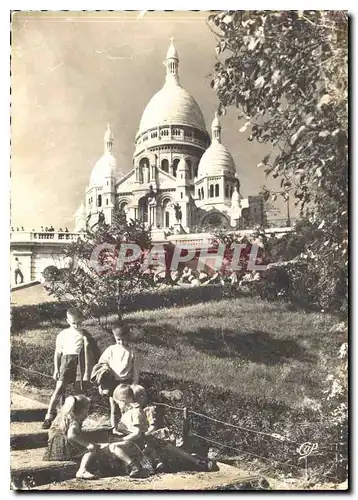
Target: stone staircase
x=28 y=443
x=29 y=471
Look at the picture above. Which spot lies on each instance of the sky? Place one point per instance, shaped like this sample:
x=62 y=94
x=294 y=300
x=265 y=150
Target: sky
x=74 y=72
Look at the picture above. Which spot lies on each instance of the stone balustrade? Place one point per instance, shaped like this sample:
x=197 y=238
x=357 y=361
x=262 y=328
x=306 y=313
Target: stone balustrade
x=37 y=236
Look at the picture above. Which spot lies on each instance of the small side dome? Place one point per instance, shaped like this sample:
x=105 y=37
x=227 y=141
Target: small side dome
x=216 y=161
x=105 y=167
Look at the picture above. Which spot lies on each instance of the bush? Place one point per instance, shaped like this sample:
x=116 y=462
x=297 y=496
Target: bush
x=304 y=269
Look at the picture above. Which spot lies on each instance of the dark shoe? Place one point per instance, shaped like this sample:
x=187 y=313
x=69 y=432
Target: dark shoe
x=47 y=423
x=135 y=470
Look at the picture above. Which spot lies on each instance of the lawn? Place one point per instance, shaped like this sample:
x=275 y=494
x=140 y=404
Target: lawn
x=250 y=347
x=245 y=361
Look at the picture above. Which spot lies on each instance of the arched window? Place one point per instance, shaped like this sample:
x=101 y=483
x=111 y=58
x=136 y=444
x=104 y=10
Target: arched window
x=143 y=209
x=216 y=190
x=175 y=166
x=143 y=170
x=211 y=191
x=144 y=162
x=226 y=191
x=99 y=200
x=231 y=191
x=123 y=207
x=199 y=193
x=165 y=165
x=106 y=201
x=202 y=193
x=166 y=212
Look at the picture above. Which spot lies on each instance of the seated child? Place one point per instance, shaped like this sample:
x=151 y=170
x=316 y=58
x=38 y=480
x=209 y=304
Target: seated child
x=75 y=354
x=132 y=428
x=66 y=438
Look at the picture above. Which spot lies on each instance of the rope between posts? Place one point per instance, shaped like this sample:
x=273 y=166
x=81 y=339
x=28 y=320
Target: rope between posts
x=242 y=451
x=272 y=436
x=279 y=438
x=169 y=406
x=32 y=371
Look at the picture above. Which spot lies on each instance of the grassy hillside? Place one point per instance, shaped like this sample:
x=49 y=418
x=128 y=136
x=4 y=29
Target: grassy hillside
x=251 y=363
x=250 y=347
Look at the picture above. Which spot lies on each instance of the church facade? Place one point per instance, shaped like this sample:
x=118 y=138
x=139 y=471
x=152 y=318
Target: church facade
x=181 y=178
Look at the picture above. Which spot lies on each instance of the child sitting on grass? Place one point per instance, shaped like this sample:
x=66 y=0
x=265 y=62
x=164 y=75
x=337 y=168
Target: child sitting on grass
x=75 y=351
x=131 y=428
x=66 y=438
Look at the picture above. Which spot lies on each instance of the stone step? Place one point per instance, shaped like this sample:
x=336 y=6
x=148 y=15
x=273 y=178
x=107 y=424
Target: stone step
x=28 y=470
x=29 y=415
x=24 y=409
x=30 y=435
x=27 y=435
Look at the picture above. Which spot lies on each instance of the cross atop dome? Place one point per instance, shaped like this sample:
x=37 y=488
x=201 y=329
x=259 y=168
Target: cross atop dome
x=172 y=51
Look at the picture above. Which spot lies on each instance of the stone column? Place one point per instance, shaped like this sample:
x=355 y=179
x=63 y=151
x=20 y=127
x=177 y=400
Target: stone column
x=154 y=215
x=152 y=173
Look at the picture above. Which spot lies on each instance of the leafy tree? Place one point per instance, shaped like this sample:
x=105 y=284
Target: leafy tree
x=92 y=281
x=287 y=73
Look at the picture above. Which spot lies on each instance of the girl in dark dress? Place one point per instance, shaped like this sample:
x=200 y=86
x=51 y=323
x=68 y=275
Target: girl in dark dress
x=66 y=438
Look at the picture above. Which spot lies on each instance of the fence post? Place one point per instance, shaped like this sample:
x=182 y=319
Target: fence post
x=185 y=427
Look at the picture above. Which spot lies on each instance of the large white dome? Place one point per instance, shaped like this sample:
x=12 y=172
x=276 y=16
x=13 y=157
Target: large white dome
x=172 y=105
x=105 y=167
x=216 y=160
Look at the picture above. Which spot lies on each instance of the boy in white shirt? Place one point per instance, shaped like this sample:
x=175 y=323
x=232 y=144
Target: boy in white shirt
x=75 y=351
x=123 y=364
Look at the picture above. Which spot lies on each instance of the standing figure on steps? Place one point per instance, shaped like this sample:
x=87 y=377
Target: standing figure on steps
x=18 y=272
